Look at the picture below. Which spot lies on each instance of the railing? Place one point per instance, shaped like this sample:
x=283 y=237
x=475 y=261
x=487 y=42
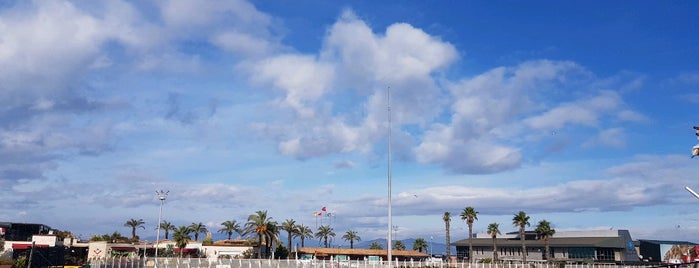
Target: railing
x=127 y=262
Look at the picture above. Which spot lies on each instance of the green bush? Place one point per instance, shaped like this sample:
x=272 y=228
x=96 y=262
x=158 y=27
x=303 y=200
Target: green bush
x=6 y=261
x=21 y=262
x=248 y=254
x=486 y=260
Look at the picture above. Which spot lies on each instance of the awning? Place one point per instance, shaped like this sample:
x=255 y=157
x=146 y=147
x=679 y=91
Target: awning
x=27 y=246
x=124 y=248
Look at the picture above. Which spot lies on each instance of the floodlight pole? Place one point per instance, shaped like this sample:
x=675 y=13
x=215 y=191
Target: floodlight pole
x=390 y=218
x=162 y=195
x=691 y=192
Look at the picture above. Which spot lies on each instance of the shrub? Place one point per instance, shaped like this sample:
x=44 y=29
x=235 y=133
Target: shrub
x=248 y=254
x=6 y=261
x=486 y=260
x=21 y=262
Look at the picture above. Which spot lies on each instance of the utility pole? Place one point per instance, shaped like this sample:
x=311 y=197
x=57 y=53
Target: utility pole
x=31 y=255
x=162 y=195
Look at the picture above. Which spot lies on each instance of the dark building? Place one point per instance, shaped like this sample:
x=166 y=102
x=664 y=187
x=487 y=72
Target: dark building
x=596 y=245
x=23 y=231
x=41 y=256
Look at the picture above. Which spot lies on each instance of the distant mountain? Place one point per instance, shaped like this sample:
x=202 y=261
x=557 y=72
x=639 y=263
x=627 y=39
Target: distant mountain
x=437 y=248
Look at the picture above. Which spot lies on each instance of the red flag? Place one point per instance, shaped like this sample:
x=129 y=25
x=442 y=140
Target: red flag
x=323 y=209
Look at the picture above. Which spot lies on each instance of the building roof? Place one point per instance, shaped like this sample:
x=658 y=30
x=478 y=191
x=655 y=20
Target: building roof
x=666 y=242
x=602 y=242
x=364 y=252
x=234 y=243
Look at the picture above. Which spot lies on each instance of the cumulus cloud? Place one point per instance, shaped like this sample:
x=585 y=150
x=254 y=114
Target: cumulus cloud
x=56 y=106
x=497 y=113
x=403 y=52
x=303 y=79
x=357 y=59
x=580 y=112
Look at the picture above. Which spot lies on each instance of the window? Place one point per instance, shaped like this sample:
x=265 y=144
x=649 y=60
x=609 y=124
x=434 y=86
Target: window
x=605 y=254
x=581 y=253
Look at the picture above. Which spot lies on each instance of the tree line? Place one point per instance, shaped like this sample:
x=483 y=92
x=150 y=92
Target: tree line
x=520 y=220
x=266 y=230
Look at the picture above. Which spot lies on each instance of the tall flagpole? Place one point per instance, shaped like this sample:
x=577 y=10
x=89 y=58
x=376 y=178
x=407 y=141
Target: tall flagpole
x=390 y=218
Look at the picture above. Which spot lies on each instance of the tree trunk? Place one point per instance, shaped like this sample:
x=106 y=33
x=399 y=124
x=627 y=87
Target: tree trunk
x=524 y=247
x=495 y=251
x=259 y=246
x=448 y=242
x=470 y=243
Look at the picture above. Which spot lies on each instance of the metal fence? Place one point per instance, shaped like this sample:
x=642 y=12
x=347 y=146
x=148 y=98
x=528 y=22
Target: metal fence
x=127 y=262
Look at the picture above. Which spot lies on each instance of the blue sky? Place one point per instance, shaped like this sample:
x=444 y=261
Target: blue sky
x=576 y=112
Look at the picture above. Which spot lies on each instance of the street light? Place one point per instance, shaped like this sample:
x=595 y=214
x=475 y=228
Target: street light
x=162 y=195
x=389 y=249
x=431 y=238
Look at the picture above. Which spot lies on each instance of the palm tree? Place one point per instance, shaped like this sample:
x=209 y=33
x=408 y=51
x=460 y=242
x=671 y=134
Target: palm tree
x=494 y=231
x=544 y=231
x=198 y=228
x=420 y=244
x=289 y=226
x=181 y=237
x=230 y=227
x=303 y=232
x=272 y=235
x=399 y=245
x=134 y=224
x=263 y=227
x=351 y=236
x=167 y=227
x=470 y=215
x=324 y=232
x=521 y=220
x=447 y=222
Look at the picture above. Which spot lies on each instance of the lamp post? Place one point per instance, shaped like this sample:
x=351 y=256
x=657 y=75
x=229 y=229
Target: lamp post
x=390 y=213
x=162 y=195
x=431 y=238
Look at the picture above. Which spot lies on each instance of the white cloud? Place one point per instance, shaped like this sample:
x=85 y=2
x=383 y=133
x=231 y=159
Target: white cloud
x=473 y=156
x=242 y=43
x=580 y=112
x=303 y=80
x=196 y=14
x=46 y=45
x=404 y=52
x=353 y=55
x=615 y=137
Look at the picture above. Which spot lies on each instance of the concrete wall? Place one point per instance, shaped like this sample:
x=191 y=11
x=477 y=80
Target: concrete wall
x=214 y=252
